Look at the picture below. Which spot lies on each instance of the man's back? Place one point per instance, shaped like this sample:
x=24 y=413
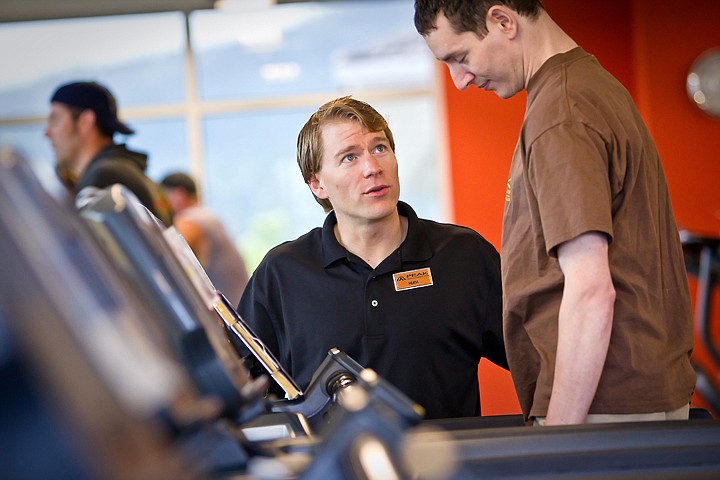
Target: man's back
x=117 y=164
x=221 y=259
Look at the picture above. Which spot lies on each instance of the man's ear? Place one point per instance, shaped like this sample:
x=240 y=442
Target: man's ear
x=316 y=187
x=86 y=120
x=503 y=19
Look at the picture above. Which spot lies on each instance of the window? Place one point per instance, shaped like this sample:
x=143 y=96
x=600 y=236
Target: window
x=310 y=48
x=228 y=105
x=142 y=69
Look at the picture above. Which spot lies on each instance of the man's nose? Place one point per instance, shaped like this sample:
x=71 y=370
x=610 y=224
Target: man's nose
x=371 y=164
x=460 y=77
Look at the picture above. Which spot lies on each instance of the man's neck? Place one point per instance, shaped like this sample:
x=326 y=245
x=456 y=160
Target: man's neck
x=543 y=38
x=373 y=241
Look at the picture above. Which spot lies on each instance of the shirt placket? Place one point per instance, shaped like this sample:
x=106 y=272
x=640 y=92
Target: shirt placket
x=374 y=307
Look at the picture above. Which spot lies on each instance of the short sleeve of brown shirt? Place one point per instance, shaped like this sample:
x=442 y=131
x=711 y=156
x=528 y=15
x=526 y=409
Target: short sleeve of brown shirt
x=569 y=177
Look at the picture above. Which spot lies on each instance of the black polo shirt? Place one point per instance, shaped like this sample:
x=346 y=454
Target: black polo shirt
x=423 y=331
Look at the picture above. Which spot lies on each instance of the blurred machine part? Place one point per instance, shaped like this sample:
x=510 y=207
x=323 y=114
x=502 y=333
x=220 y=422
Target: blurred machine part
x=132 y=239
x=702 y=260
x=86 y=393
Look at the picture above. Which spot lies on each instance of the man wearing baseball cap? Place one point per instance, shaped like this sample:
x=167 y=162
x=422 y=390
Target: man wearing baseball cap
x=82 y=123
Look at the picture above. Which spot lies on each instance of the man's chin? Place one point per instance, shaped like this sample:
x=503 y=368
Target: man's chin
x=505 y=94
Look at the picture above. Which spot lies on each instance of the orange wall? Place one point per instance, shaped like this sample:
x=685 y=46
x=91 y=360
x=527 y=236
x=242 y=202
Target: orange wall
x=649 y=46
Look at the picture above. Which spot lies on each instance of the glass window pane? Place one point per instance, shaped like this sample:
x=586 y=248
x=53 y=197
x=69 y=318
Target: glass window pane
x=139 y=57
x=308 y=48
x=252 y=181
x=165 y=142
x=29 y=141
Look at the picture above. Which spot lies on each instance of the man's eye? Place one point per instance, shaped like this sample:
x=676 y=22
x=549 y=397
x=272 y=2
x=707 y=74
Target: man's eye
x=348 y=158
x=381 y=148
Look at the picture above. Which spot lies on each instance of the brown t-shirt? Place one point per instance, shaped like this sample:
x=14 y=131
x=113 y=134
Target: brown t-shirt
x=586 y=162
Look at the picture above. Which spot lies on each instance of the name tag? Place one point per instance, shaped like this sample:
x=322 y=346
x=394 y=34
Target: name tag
x=412 y=279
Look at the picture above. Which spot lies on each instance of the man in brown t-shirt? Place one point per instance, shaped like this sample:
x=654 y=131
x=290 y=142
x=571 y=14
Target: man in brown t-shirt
x=597 y=316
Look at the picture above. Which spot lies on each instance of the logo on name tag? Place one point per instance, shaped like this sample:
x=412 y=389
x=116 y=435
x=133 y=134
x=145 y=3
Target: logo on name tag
x=412 y=279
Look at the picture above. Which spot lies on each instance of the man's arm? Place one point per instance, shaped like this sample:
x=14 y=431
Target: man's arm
x=584 y=327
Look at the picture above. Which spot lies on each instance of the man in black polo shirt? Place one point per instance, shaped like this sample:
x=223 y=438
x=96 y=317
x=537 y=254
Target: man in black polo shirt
x=415 y=300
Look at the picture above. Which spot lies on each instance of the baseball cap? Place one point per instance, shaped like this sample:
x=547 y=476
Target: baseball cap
x=93 y=96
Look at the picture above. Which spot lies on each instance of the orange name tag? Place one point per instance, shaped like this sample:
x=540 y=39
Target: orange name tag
x=412 y=279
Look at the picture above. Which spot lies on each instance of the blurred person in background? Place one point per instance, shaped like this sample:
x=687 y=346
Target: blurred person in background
x=207 y=236
x=81 y=127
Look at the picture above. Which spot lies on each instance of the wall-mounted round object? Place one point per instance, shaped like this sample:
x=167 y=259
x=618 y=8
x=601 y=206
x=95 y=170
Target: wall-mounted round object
x=703 y=82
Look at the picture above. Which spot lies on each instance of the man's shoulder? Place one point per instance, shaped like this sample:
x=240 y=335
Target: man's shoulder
x=119 y=157
x=451 y=230
x=456 y=237
x=109 y=163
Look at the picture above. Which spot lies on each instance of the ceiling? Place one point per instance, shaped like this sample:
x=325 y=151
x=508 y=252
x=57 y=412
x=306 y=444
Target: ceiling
x=26 y=10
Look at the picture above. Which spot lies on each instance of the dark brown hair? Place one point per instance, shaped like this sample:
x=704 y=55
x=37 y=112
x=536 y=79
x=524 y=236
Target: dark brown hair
x=467 y=15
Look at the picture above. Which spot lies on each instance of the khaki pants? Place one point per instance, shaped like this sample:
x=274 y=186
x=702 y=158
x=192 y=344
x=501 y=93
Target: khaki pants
x=681 y=413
